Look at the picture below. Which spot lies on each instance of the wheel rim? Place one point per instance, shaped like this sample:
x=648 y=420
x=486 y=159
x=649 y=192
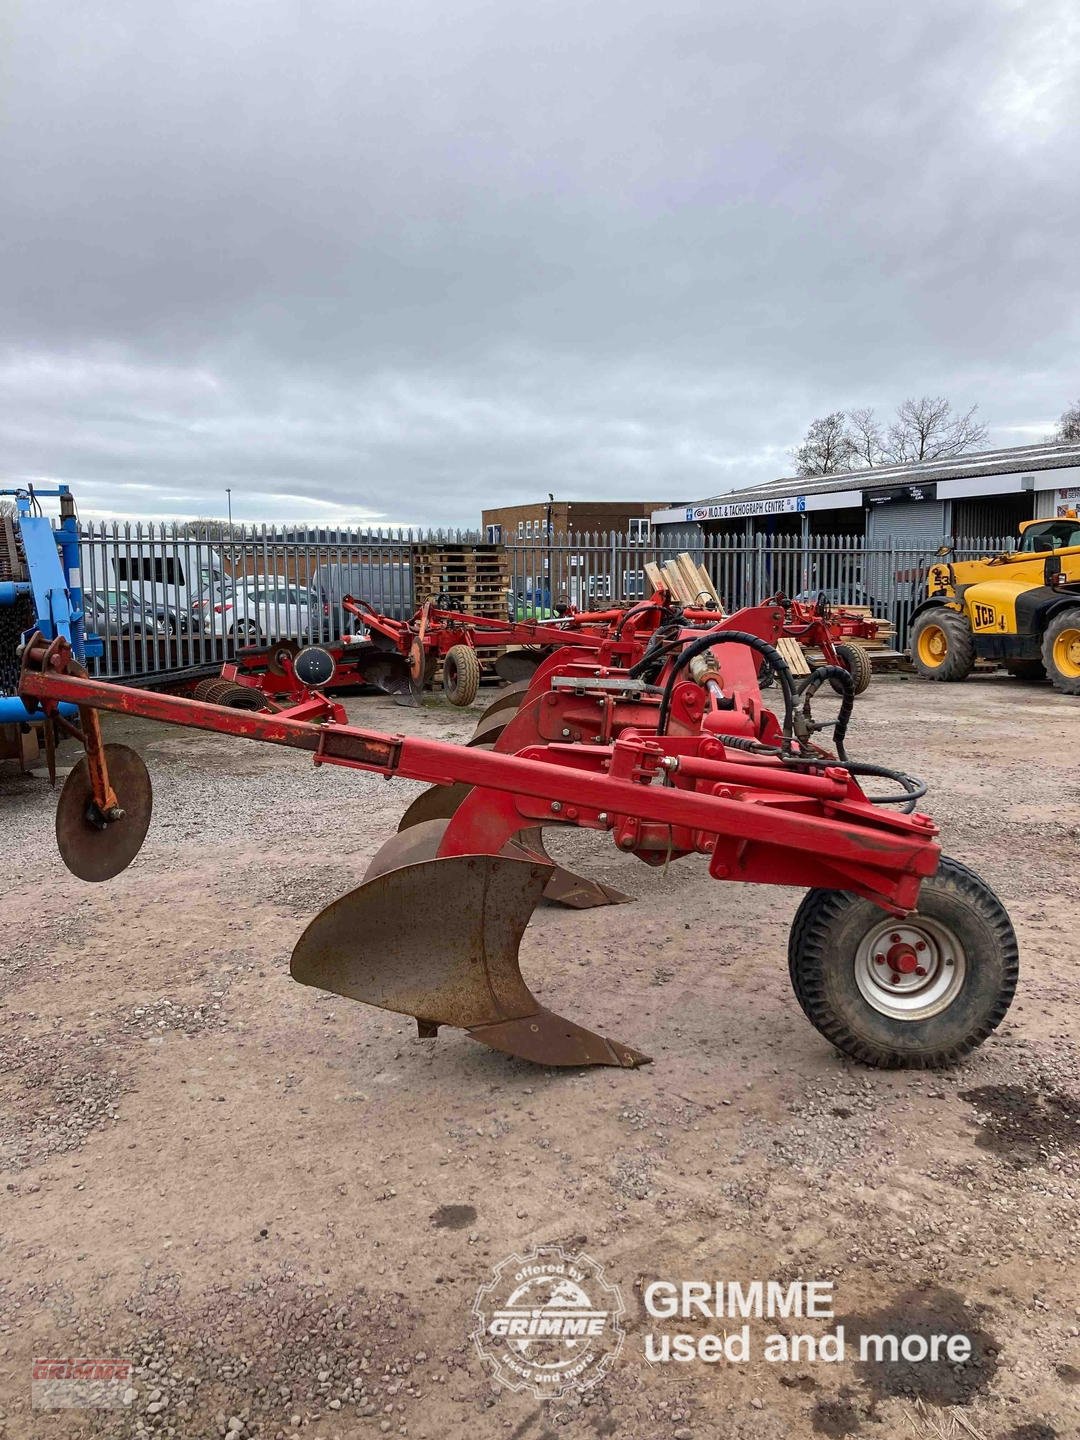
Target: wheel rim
x=1067 y=652
x=910 y=969
x=933 y=645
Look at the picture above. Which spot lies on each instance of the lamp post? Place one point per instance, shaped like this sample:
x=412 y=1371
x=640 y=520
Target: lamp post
x=547 y=541
x=228 y=492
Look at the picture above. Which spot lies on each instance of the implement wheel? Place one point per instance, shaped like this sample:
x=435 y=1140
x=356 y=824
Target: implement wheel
x=856 y=662
x=918 y=992
x=461 y=674
x=942 y=645
x=1061 y=650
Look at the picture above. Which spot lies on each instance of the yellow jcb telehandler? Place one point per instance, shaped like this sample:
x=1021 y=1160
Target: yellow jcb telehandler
x=1021 y=609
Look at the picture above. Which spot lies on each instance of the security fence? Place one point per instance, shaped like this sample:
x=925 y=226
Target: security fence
x=176 y=598
x=592 y=571
x=169 y=599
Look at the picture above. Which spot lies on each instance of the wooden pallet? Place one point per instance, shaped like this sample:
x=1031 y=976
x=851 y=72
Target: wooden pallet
x=686 y=581
x=475 y=578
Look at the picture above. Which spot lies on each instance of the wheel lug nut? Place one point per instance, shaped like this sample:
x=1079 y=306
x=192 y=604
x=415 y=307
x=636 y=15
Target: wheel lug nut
x=879 y=959
x=894 y=979
x=920 y=945
x=920 y=969
x=894 y=939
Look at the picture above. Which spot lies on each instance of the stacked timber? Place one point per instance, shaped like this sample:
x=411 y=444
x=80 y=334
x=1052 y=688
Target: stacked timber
x=473 y=578
x=686 y=581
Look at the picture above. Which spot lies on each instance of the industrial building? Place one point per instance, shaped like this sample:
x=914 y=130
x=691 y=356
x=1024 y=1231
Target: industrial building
x=985 y=494
x=507 y=523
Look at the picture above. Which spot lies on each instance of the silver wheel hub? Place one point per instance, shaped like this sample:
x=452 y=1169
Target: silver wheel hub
x=910 y=969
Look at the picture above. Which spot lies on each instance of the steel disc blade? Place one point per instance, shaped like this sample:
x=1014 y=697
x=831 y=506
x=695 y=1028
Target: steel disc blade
x=282 y=651
x=89 y=851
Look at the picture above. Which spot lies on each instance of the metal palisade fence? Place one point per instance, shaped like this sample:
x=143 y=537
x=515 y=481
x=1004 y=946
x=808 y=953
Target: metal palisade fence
x=169 y=599
x=591 y=571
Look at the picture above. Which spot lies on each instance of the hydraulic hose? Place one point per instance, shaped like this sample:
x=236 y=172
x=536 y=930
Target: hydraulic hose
x=734 y=637
x=814 y=683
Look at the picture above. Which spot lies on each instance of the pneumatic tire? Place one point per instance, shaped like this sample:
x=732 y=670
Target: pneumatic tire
x=856 y=662
x=942 y=645
x=1061 y=650
x=461 y=674
x=915 y=993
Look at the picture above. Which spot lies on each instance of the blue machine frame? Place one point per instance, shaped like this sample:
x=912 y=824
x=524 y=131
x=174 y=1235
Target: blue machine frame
x=54 y=583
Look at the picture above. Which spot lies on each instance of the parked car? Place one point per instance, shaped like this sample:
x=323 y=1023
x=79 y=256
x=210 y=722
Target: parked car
x=387 y=587
x=201 y=609
x=263 y=608
x=172 y=618
x=114 y=614
x=156 y=575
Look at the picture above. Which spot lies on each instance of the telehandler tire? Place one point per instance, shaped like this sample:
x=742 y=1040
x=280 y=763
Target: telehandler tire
x=942 y=645
x=1061 y=650
x=915 y=993
x=461 y=674
x=856 y=662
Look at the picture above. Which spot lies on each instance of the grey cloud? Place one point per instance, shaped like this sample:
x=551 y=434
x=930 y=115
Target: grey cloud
x=400 y=260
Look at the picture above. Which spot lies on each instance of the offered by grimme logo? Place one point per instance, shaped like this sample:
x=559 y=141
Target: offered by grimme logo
x=549 y=1322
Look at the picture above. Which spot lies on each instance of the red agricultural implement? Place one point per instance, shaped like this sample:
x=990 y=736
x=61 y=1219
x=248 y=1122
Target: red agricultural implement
x=836 y=634
x=898 y=956
x=402 y=656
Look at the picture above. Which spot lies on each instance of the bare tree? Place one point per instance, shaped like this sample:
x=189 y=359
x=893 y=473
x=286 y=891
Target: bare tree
x=827 y=447
x=1069 y=424
x=205 y=528
x=866 y=438
x=7 y=507
x=928 y=429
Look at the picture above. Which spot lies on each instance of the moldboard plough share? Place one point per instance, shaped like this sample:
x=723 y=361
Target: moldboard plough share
x=655 y=735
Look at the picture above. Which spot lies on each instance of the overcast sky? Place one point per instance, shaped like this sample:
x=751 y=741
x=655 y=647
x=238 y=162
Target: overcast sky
x=397 y=259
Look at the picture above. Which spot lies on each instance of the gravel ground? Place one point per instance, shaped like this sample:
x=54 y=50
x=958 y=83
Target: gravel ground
x=279 y=1206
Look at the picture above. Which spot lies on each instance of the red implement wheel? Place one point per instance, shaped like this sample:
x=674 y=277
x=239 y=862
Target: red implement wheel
x=461 y=674
x=856 y=662
x=916 y=992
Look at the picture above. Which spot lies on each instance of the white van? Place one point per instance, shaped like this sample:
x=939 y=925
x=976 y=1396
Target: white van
x=164 y=579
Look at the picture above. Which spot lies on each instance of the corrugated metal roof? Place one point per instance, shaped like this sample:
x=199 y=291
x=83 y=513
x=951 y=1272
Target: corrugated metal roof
x=982 y=462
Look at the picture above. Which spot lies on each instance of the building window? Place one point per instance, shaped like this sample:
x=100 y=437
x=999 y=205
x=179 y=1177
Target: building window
x=599 y=587
x=633 y=584
x=494 y=534
x=521 y=529
x=638 y=529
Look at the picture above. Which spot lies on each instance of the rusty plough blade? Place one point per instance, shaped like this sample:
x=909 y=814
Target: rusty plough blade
x=390 y=673
x=508 y=698
x=491 y=727
x=454 y=961
x=517 y=665
x=425 y=822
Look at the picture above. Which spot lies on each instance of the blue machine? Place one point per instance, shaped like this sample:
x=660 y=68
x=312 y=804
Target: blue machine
x=40 y=589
